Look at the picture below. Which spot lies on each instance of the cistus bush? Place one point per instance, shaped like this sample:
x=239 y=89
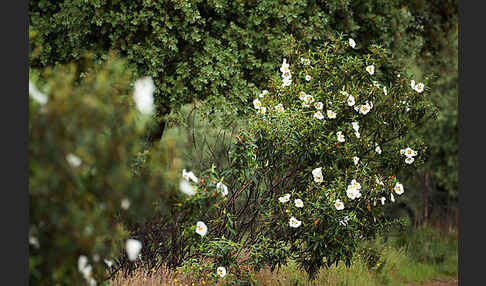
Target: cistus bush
x=314 y=169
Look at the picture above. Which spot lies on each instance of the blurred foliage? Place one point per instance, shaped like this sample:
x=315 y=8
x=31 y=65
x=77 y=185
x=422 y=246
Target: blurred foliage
x=85 y=159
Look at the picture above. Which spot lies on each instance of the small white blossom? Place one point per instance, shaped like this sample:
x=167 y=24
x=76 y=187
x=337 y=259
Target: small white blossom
x=317 y=174
x=257 y=104
x=409 y=160
x=302 y=95
x=186 y=188
x=412 y=84
x=279 y=108
x=73 y=160
x=285 y=66
x=308 y=77
x=299 y=203
x=340 y=136
x=365 y=108
x=352 y=192
x=331 y=114
x=36 y=94
x=34 y=241
x=392 y=198
x=378 y=149
x=264 y=92
x=201 y=228
x=189 y=176
x=305 y=61
x=350 y=100
x=286 y=82
x=398 y=188
x=318 y=105
x=419 y=87
x=357 y=134
x=370 y=69
x=339 y=205
x=295 y=223
x=355 y=160
x=125 y=204
x=318 y=115
x=355 y=125
x=221 y=271
x=285 y=198
x=379 y=181
x=108 y=262
x=143 y=95
x=383 y=199
x=409 y=152
x=133 y=248
x=222 y=188
x=352 y=43
x=384 y=90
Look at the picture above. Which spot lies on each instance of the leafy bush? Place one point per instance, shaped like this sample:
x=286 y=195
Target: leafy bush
x=218 y=51
x=86 y=170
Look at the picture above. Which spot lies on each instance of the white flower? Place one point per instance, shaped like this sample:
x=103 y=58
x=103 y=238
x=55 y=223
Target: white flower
x=305 y=61
x=189 y=176
x=379 y=181
x=352 y=192
x=378 y=149
x=355 y=125
x=285 y=198
x=143 y=95
x=318 y=115
x=34 y=241
x=339 y=205
x=186 y=188
x=384 y=90
x=125 y=203
x=82 y=263
x=352 y=43
x=392 y=198
x=257 y=104
x=108 y=262
x=409 y=160
x=201 y=228
x=409 y=152
x=287 y=75
x=398 y=75
x=398 y=188
x=402 y=151
x=221 y=271
x=299 y=203
x=73 y=160
x=355 y=184
x=262 y=110
x=344 y=221
x=264 y=92
x=280 y=108
x=317 y=173
x=286 y=82
x=365 y=108
x=36 y=94
x=222 y=188
x=419 y=87
x=412 y=84
x=302 y=95
x=331 y=114
x=370 y=69
x=318 y=105
x=285 y=66
x=350 y=100
x=133 y=248
x=308 y=77
x=383 y=199
x=295 y=223
x=340 y=136
x=355 y=160
x=357 y=134
x=356 y=108
x=308 y=99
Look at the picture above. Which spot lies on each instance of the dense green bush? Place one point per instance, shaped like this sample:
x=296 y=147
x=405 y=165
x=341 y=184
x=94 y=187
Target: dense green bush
x=219 y=51
x=86 y=170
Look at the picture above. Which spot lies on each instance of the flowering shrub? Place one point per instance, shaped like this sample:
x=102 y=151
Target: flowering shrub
x=311 y=173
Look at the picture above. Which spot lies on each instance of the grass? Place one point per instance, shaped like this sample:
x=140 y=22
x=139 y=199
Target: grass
x=402 y=259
